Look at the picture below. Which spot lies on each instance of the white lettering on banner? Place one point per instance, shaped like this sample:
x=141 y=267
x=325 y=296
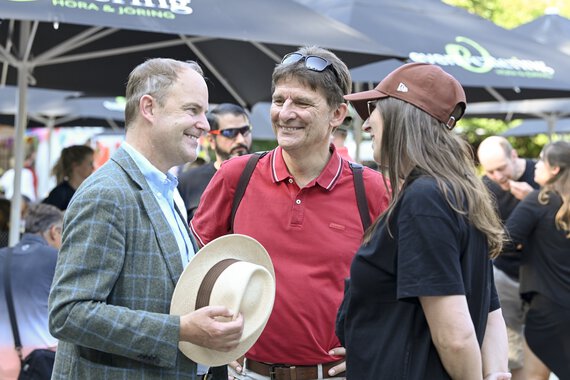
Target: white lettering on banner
x=176 y=6
x=76 y=4
x=131 y=11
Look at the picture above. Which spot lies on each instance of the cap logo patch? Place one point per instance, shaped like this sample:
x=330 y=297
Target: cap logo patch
x=402 y=88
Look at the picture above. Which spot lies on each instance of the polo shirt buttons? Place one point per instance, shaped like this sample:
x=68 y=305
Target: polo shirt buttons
x=298 y=201
x=290 y=180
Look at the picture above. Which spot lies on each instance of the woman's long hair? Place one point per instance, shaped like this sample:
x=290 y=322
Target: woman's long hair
x=70 y=156
x=411 y=139
x=558 y=154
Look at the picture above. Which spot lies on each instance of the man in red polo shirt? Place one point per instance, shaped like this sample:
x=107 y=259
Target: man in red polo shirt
x=301 y=205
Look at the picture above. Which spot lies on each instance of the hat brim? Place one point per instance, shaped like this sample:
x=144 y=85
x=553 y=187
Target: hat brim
x=359 y=99
x=235 y=246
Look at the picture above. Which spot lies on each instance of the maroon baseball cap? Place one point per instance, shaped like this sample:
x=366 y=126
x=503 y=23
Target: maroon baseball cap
x=425 y=86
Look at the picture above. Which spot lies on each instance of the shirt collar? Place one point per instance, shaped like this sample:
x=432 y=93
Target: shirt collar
x=158 y=181
x=327 y=179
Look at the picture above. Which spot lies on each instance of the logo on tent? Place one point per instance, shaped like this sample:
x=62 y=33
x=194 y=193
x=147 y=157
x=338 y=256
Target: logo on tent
x=471 y=56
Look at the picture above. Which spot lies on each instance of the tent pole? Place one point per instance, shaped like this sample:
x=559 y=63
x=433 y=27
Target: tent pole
x=20 y=124
x=551 y=124
x=16 y=205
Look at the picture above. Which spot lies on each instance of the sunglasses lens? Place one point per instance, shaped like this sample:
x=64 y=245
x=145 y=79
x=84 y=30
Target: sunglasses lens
x=312 y=62
x=231 y=133
x=316 y=63
x=292 y=58
x=371 y=106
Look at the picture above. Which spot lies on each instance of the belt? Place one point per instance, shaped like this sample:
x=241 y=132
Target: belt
x=290 y=372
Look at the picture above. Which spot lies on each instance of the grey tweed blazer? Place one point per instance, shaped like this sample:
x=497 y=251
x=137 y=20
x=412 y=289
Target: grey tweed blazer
x=114 y=279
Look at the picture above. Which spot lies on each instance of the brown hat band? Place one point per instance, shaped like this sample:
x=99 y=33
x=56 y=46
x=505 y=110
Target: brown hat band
x=205 y=289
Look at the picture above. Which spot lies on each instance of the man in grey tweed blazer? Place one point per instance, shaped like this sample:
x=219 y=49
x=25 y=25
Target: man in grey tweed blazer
x=125 y=244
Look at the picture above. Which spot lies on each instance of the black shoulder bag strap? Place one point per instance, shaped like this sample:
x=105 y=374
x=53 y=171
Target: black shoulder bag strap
x=242 y=184
x=10 y=302
x=360 y=194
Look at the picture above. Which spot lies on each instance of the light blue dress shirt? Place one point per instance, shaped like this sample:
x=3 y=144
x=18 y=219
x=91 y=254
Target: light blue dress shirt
x=164 y=189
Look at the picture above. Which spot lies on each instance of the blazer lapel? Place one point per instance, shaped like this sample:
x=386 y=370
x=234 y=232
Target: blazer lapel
x=163 y=231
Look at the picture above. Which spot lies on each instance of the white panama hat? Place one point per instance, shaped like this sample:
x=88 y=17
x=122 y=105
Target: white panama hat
x=234 y=271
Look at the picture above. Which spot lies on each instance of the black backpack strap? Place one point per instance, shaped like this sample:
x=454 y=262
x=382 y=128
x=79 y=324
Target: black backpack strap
x=242 y=184
x=360 y=194
x=10 y=303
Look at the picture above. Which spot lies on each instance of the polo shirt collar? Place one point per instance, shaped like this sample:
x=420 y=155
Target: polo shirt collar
x=327 y=179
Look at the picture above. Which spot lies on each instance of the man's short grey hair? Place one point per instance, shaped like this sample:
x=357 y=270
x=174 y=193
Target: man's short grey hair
x=153 y=77
x=41 y=217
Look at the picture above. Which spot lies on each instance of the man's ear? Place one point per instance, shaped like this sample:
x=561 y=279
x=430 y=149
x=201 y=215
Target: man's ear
x=49 y=234
x=146 y=106
x=339 y=115
x=211 y=140
x=555 y=170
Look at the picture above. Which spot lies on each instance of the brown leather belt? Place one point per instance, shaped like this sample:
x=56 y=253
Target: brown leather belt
x=290 y=372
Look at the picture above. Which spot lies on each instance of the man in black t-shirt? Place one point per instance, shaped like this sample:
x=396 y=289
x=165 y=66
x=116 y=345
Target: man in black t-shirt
x=509 y=178
x=229 y=136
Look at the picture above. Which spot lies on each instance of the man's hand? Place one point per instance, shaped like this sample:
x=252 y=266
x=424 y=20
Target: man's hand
x=237 y=370
x=212 y=327
x=520 y=189
x=340 y=368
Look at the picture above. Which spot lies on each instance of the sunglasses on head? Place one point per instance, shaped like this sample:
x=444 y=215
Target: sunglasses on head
x=232 y=133
x=312 y=62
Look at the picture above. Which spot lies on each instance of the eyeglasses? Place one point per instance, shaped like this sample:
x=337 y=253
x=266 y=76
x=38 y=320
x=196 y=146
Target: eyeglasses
x=371 y=106
x=312 y=62
x=231 y=133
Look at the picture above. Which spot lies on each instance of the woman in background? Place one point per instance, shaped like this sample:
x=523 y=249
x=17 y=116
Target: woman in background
x=74 y=165
x=540 y=226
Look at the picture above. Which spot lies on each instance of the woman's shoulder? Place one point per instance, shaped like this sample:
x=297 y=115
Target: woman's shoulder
x=422 y=185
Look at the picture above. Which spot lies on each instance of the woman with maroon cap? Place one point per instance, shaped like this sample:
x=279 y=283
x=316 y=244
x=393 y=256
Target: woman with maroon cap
x=422 y=302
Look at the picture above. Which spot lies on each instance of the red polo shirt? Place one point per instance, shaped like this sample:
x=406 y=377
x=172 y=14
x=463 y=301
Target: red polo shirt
x=311 y=235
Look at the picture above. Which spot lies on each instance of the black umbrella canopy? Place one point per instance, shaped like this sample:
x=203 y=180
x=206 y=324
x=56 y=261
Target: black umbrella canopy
x=91 y=46
x=492 y=63
x=551 y=30
x=46 y=107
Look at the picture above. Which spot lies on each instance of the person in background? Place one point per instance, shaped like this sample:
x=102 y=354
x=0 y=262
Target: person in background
x=5 y=205
x=422 y=303
x=339 y=137
x=5 y=212
x=125 y=244
x=230 y=136
x=28 y=179
x=301 y=205
x=540 y=227
x=31 y=275
x=72 y=168
x=509 y=178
